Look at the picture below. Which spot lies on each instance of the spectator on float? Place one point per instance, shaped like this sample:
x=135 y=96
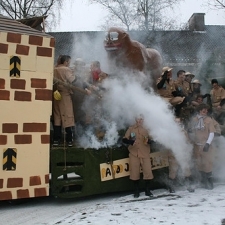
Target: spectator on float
x=188 y=78
x=166 y=88
x=63 y=106
x=218 y=99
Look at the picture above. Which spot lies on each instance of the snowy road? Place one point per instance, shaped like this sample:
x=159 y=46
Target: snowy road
x=203 y=207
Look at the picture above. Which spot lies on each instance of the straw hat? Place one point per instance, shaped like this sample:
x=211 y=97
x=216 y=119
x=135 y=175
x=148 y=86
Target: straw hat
x=196 y=82
x=166 y=68
x=189 y=74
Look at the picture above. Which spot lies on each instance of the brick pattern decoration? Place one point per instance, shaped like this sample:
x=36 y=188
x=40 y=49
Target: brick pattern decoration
x=38 y=83
x=27 y=90
x=16 y=185
x=2 y=82
x=3 y=48
x=4 y=95
x=9 y=128
x=30 y=128
x=40 y=91
x=18 y=84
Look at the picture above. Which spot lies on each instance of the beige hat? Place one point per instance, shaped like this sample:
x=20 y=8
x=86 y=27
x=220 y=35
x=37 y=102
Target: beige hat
x=166 y=68
x=196 y=82
x=79 y=62
x=190 y=74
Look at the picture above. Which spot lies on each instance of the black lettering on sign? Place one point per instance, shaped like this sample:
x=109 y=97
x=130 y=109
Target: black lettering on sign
x=118 y=169
x=9 y=159
x=15 y=63
x=127 y=167
x=108 y=172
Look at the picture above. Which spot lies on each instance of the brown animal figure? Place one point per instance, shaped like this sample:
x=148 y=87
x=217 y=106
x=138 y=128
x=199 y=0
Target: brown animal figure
x=124 y=52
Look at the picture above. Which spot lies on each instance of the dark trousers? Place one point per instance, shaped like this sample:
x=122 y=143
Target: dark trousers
x=58 y=133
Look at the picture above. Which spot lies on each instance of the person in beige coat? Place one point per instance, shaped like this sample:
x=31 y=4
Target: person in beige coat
x=138 y=139
x=203 y=128
x=63 y=109
x=218 y=101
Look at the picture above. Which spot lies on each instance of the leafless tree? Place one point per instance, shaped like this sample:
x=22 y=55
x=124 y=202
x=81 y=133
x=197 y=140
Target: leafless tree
x=121 y=11
x=140 y=14
x=216 y=4
x=23 y=9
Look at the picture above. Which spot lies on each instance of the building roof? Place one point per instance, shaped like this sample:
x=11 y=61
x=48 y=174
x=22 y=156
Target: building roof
x=9 y=25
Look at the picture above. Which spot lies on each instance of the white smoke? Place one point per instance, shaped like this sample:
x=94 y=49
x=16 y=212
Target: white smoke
x=219 y=165
x=123 y=100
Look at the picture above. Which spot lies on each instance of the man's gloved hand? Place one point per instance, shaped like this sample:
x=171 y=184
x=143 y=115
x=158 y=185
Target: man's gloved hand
x=150 y=141
x=164 y=76
x=206 y=95
x=128 y=141
x=206 y=148
x=132 y=142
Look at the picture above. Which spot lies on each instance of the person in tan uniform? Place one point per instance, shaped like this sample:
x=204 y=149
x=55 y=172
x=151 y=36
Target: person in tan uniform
x=174 y=166
x=203 y=128
x=138 y=139
x=166 y=88
x=95 y=113
x=218 y=100
x=180 y=82
x=183 y=83
x=188 y=78
x=63 y=109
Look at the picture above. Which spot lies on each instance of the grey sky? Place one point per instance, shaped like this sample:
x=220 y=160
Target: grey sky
x=84 y=17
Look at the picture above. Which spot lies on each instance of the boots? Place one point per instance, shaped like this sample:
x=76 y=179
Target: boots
x=188 y=184
x=202 y=179
x=57 y=135
x=147 y=189
x=136 y=189
x=206 y=180
x=69 y=136
x=209 y=181
x=170 y=186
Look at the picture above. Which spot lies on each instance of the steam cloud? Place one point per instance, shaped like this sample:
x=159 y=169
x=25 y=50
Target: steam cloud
x=126 y=98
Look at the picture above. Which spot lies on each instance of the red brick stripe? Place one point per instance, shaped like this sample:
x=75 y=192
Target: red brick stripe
x=18 y=84
x=34 y=127
x=38 y=192
x=52 y=42
x=1 y=182
x=4 y=95
x=14 y=182
x=35 y=180
x=13 y=37
x=23 y=139
x=22 y=49
x=9 y=128
x=43 y=94
x=38 y=83
x=45 y=139
x=5 y=195
x=35 y=40
x=41 y=51
x=3 y=139
x=22 y=96
x=47 y=178
x=2 y=82
x=3 y=48
x=23 y=193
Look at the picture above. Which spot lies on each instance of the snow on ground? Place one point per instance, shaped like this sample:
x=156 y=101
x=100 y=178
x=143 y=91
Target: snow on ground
x=203 y=207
